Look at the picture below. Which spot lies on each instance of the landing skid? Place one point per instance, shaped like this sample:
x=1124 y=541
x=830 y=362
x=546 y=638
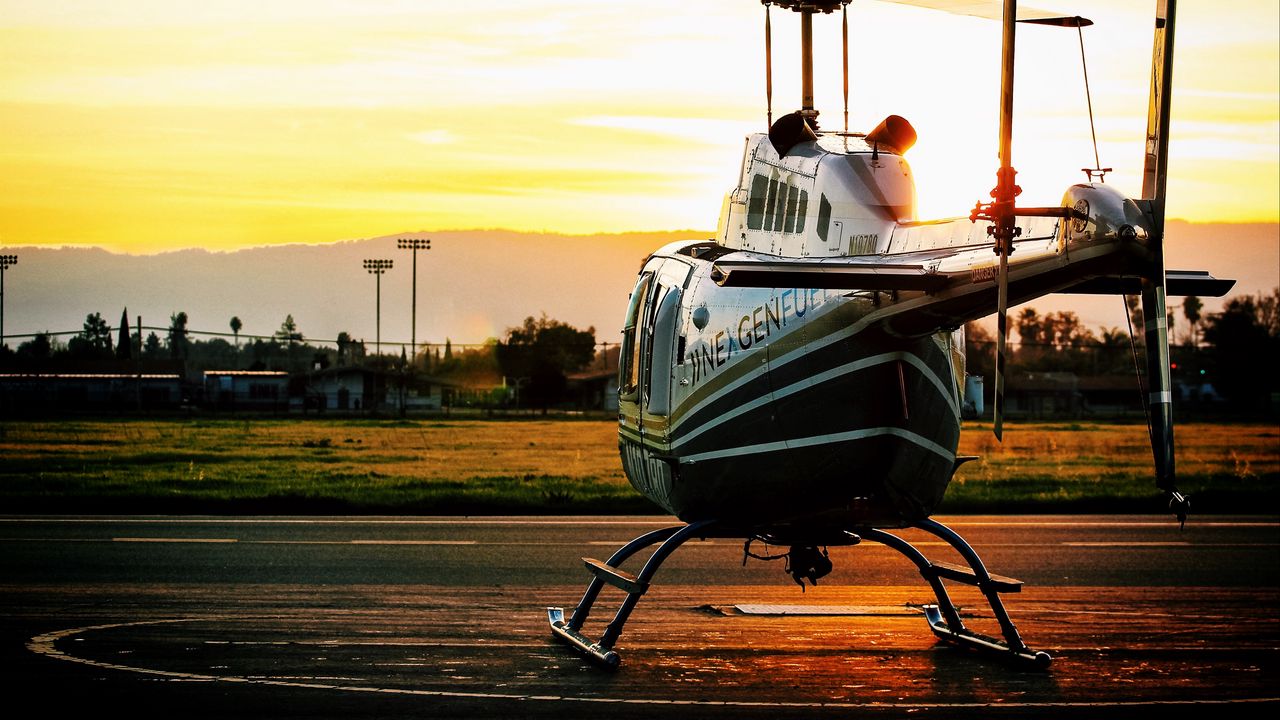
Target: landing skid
x=943 y=618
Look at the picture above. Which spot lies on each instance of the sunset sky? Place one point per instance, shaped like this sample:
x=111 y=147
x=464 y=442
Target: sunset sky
x=148 y=125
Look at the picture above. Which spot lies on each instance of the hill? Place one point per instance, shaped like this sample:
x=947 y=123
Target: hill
x=471 y=285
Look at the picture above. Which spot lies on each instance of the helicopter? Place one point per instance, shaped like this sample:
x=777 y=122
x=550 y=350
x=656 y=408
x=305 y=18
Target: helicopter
x=798 y=379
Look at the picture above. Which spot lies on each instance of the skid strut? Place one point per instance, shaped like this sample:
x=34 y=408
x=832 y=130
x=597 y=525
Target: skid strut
x=570 y=631
x=943 y=618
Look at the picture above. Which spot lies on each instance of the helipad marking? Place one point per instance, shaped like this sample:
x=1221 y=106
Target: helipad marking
x=826 y=610
x=44 y=645
x=1128 y=544
x=412 y=542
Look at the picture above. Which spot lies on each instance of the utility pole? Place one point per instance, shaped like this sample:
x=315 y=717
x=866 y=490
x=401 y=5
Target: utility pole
x=6 y=261
x=414 y=244
x=376 y=268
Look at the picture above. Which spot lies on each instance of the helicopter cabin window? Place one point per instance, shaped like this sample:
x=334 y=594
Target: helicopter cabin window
x=755 y=204
x=629 y=371
x=774 y=206
x=793 y=194
x=770 y=203
x=824 y=217
x=666 y=316
x=780 y=207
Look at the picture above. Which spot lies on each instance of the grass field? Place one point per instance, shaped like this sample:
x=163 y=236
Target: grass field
x=555 y=466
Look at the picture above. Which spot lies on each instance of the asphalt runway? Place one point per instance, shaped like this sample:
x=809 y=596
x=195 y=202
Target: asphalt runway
x=446 y=617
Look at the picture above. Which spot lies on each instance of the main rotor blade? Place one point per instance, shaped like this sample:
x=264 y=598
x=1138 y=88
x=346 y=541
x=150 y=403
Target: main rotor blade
x=991 y=10
x=1075 y=21
x=1160 y=386
x=1155 y=175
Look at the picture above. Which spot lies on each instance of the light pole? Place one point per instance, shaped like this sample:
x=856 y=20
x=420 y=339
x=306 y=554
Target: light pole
x=6 y=261
x=414 y=244
x=376 y=268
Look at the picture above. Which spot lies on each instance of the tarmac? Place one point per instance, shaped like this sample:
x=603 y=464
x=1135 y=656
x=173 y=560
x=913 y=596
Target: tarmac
x=446 y=617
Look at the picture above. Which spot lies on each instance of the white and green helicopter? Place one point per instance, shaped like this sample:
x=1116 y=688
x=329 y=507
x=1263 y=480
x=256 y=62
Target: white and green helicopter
x=798 y=380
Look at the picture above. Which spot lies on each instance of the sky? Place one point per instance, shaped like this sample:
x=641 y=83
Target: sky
x=143 y=126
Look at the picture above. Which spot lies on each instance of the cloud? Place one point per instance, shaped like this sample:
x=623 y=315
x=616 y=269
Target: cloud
x=433 y=137
x=703 y=130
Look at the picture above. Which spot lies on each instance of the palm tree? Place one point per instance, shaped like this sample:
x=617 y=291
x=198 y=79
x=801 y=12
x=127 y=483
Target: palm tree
x=1191 y=307
x=235 y=328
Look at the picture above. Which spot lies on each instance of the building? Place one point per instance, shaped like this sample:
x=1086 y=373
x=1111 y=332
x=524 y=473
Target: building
x=596 y=387
x=266 y=390
x=357 y=389
x=36 y=393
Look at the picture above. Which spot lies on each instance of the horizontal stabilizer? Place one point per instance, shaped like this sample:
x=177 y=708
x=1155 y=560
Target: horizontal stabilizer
x=831 y=274
x=1177 y=282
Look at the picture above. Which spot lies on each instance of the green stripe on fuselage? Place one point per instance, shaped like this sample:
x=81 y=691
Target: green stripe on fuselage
x=816 y=332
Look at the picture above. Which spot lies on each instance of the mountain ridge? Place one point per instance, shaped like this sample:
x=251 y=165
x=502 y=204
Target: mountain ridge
x=472 y=284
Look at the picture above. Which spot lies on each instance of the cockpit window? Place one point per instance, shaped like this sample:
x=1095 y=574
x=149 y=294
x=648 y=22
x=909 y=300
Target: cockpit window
x=631 y=335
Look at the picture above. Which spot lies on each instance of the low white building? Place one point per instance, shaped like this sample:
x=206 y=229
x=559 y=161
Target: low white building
x=353 y=389
x=246 y=389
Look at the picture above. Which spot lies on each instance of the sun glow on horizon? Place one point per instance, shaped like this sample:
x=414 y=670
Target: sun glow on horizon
x=143 y=125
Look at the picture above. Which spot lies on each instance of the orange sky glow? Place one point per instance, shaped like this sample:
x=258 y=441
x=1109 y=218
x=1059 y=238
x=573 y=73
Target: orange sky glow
x=150 y=125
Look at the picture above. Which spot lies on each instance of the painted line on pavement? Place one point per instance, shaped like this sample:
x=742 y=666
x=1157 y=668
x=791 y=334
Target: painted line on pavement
x=46 y=645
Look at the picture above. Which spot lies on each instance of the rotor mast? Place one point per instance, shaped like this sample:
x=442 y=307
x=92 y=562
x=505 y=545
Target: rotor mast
x=806 y=64
x=807 y=8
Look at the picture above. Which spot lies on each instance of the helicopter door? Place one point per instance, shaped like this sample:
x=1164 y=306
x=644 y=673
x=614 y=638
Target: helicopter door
x=648 y=356
x=661 y=356
x=632 y=350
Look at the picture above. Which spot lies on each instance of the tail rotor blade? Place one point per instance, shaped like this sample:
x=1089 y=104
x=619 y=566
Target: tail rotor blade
x=1002 y=328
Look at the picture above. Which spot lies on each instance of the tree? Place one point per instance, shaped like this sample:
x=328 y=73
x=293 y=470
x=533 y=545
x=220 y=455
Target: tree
x=1191 y=307
x=151 y=348
x=124 y=348
x=96 y=332
x=235 y=329
x=213 y=354
x=979 y=351
x=1244 y=342
x=1069 y=332
x=346 y=348
x=288 y=332
x=1030 y=327
x=544 y=351
x=1134 y=305
x=1055 y=341
x=39 y=347
x=93 y=342
x=1114 y=353
x=1269 y=312
x=178 y=342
